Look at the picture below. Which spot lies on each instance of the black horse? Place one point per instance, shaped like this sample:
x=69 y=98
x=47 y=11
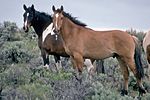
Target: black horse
x=48 y=44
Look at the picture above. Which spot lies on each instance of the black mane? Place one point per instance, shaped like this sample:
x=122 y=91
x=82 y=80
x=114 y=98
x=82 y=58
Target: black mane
x=74 y=19
x=43 y=15
x=39 y=14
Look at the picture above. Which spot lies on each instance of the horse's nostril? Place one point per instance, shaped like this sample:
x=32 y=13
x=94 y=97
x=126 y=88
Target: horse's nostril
x=26 y=29
x=55 y=31
x=23 y=28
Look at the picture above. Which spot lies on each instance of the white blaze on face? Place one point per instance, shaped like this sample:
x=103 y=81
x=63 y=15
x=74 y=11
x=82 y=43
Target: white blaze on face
x=48 y=30
x=26 y=22
x=56 y=19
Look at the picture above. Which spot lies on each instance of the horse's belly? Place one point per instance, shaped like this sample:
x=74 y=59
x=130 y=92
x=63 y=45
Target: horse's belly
x=99 y=54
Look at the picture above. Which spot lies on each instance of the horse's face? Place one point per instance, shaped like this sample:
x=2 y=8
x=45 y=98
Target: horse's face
x=28 y=17
x=57 y=18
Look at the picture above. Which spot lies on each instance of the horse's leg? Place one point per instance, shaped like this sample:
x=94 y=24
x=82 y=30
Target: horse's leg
x=45 y=57
x=73 y=63
x=75 y=72
x=57 y=62
x=125 y=72
x=131 y=63
x=78 y=64
x=93 y=66
x=100 y=66
x=78 y=61
x=90 y=67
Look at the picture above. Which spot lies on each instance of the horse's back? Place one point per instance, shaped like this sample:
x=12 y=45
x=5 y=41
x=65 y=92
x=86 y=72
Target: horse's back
x=146 y=41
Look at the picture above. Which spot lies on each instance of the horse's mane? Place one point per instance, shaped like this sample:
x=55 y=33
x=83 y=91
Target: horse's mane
x=43 y=15
x=74 y=19
x=40 y=14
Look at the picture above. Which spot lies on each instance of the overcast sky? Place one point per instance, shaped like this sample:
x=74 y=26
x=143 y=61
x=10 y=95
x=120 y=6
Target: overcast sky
x=122 y=14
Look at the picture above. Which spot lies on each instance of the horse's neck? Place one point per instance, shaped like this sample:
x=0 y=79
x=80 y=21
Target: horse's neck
x=39 y=25
x=67 y=28
x=38 y=30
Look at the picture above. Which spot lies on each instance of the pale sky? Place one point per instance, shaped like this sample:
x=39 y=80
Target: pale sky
x=119 y=14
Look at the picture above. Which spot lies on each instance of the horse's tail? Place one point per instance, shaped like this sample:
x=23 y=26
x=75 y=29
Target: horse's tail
x=137 y=58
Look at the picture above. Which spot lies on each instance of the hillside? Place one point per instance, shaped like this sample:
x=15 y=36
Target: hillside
x=22 y=76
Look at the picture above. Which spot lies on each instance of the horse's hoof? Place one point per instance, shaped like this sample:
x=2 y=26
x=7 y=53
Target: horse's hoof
x=142 y=91
x=46 y=66
x=124 y=92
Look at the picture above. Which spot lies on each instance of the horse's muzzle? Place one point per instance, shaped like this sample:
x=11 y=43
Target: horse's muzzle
x=56 y=31
x=26 y=29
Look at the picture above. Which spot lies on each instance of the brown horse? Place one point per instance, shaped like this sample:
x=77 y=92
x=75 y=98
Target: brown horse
x=81 y=42
x=48 y=44
x=146 y=46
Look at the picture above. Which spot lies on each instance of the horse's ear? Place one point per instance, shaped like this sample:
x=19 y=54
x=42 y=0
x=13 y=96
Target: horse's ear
x=24 y=6
x=61 y=8
x=32 y=7
x=53 y=8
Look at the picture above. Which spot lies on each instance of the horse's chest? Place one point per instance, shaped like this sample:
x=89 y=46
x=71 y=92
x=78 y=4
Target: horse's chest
x=67 y=49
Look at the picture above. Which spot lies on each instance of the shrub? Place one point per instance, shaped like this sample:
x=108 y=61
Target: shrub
x=14 y=52
x=15 y=75
x=102 y=92
x=34 y=91
x=40 y=74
